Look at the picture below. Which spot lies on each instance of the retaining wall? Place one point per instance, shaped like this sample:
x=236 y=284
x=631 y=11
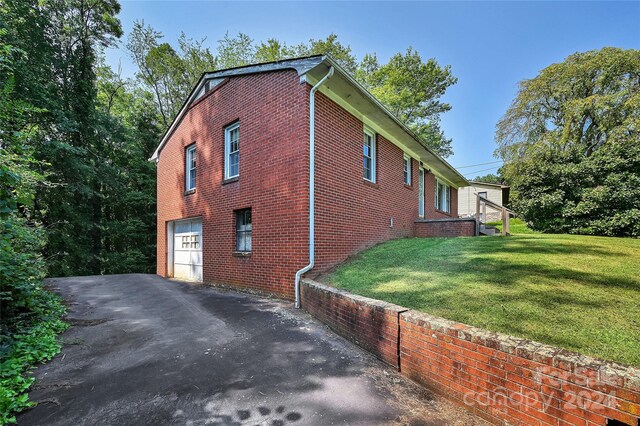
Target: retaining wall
x=454 y=227
x=506 y=380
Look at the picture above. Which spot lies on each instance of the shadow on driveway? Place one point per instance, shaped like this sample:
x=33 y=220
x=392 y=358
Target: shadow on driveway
x=145 y=350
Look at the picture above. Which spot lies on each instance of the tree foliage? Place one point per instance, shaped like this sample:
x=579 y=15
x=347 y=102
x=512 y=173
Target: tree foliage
x=96 y=135
x=490 y=178
x=571 y=145
x=408 y=86
x=411 y=89
x=30 y=314
x=169 y=73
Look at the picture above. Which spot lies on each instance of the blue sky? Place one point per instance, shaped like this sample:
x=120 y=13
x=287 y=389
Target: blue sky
x=491 y=46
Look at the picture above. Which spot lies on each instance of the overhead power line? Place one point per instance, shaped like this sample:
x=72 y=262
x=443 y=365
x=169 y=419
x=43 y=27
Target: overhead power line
x=482 y=170
x=481 y=164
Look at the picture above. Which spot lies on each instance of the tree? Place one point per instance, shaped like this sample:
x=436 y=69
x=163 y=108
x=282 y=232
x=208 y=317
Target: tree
x=30 y=314
x=331 y=46
x=168 y=73
x=490 y=178
x=129 y=124
x=95 y=135
x=407 y=86
x=235 y=51
x=588 y=99
x=571 y=145
x=273 y=50
x=411 y=89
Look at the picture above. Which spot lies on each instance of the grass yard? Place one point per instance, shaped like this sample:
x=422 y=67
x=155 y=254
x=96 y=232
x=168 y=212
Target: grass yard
x=577 y=292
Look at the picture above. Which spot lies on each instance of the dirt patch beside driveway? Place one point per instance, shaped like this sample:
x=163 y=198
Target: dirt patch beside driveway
x=145 y=350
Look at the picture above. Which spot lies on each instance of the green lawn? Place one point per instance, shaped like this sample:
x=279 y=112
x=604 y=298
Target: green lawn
x=517 y=227
x=577 y=292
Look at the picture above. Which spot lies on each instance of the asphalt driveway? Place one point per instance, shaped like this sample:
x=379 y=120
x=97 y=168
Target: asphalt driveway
x=145 y=350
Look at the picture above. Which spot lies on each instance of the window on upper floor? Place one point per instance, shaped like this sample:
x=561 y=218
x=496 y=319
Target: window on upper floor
x=232 y=151
x=443 y=196
x=407 y=170
x=243 y=230
x=190 y=167
x=369 y=155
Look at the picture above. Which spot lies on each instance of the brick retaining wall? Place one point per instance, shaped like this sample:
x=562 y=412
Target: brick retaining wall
x=454 y=227
x=371 y=324
x=506 y=380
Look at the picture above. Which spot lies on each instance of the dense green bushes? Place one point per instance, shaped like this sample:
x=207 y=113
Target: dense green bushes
x=30 y=314
x=571 y=145
x=566 y=192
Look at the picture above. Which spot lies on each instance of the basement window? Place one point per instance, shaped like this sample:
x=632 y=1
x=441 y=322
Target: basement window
x=243 y=230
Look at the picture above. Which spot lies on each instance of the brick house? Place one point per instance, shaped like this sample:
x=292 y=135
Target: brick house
x=236 y=167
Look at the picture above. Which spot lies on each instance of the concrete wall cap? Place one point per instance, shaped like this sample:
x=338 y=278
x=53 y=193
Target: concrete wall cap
x=374 y=303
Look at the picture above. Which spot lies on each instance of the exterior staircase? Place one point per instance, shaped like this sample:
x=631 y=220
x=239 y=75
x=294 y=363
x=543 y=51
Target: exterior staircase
x=487 y=230
x=482 y=228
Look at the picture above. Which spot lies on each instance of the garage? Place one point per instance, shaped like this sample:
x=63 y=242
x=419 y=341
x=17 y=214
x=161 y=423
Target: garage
x=187 y=249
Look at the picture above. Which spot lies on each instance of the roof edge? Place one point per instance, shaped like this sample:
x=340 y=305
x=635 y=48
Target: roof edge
x=301 y=65
x=477 y=182
x=302 y=68
x=410 y=132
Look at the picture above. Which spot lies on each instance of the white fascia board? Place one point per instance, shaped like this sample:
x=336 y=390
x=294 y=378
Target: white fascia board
x=373 y=125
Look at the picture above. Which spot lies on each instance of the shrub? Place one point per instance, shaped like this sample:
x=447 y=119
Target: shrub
x=566 y=192
x=30 y=313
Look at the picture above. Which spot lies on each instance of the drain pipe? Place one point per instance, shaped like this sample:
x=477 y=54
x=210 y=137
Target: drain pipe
x=312 y=195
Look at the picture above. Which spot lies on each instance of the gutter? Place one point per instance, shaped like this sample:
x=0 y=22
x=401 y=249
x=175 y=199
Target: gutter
x=402 y=125
x=312 y=196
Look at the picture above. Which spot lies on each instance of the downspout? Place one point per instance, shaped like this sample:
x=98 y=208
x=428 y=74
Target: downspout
x=312 y=196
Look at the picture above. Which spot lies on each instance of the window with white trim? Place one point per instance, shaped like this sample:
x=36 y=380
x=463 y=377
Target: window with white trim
x=407 y=170
x=232 y=151
x=190 y=167
x=443 y=196
x=369 y=155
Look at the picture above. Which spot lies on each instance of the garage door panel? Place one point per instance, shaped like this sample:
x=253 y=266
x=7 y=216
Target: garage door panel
x=196 y=258
x=182 y=227
x=182 y=257
x=196 y=272
x=187 y=253
x=181 y=271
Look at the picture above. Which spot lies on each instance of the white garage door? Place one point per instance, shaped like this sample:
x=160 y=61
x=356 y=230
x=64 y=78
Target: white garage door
x=187 y=250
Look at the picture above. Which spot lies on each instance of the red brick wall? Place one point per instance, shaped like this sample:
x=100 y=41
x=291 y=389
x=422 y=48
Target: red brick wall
x=273 y=110
x=371 y=324
x=352 y=213
x=273 y=181
x=430 y=198
x=510 y=379
x=445 y=228
x=499 y=377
